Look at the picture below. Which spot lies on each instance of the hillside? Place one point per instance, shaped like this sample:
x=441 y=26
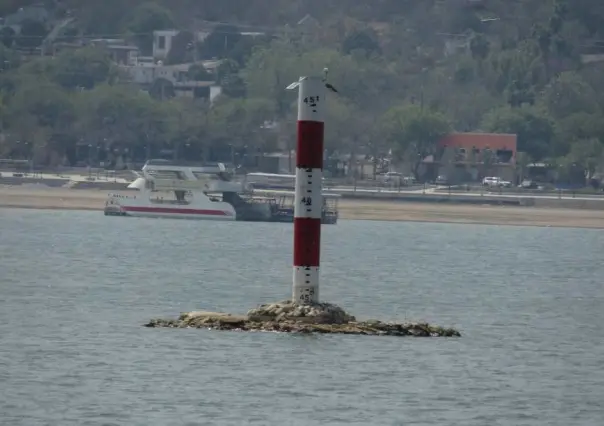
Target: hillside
x=403 y=67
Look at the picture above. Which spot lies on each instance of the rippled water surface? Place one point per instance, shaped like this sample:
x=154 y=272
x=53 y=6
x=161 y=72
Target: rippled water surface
x=76 y=287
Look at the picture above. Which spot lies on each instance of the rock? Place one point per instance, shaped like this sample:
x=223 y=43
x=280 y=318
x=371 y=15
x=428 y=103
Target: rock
x=290 y=317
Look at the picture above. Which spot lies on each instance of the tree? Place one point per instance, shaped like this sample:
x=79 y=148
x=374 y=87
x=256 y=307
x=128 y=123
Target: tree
x=106 y=17
x=7 y=36
x=239 y=122
x=587 y=154
x=534 y=129
x=182 y=48
x=487 y=159
x=365 y=40
x=528 y=78
x=220 y=42
x=124 y=118
x=32 y=34
x=479 y=46
x=197 y=72
x=43 y=100
x=243 y=48
x=37 y=113
x=522 y=162
x=568 y=94
x=415 y=133
x=575 y=127
x=447 y=162
x=229 y=78
x=8 y=59
x=83 y=68
x=145 y=19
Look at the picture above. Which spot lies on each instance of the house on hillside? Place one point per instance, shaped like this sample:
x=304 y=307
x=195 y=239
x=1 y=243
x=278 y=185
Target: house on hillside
x=162 y=39
x=120 y=51
x=166 y=81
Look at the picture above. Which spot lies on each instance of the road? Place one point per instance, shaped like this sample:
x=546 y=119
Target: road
x=442 y=192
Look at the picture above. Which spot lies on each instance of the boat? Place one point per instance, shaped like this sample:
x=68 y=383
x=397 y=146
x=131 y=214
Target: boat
x=282 y=205
x=176 y=190
x=258 y=180
x=169 y=189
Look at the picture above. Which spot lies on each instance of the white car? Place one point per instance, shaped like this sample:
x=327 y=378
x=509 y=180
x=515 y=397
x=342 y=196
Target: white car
x=395 y=178
x=496 y=182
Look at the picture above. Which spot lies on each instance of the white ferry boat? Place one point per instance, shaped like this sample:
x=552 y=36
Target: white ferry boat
x=177 y=190
x=169 y=189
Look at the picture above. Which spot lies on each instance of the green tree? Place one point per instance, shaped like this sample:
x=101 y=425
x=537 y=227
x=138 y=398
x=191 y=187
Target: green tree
x=574 y=127
x=37 y=114
x=365 y=40
x=587 y=154
x=7 y=36
x=32 y=34
x=568 y=94
x=487 y=160
x=197 y=72
x=83 y=68
x=9 y=59
x=229 y=78
x=479 y=46
x=220 y=42
x=535 y=130
x=146 y=18
x=415 y=133
x=239 y=122
x=182 y=48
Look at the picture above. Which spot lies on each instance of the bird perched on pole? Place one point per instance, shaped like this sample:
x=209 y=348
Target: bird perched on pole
x=327 y=85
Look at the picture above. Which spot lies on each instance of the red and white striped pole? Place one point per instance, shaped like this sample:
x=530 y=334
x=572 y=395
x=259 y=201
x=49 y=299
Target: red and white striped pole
x=308 y=206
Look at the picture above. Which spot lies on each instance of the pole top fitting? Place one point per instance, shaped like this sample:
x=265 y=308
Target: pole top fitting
x=295 y=84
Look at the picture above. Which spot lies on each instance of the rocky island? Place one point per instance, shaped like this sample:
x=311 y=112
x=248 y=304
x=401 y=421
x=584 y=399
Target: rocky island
x=290 y=317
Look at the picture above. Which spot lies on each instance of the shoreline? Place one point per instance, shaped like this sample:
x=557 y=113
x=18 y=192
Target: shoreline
x=37 y=198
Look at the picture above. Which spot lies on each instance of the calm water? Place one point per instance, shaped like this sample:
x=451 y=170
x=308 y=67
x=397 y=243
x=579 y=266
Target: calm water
x=76 y=287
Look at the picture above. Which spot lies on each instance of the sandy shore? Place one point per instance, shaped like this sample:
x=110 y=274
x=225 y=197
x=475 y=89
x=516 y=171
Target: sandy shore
x=81 y=199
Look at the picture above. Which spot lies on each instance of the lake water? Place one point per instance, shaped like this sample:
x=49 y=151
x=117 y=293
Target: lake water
x=75 y=288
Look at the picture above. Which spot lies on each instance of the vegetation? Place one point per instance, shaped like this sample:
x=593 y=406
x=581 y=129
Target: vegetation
x=401 y=82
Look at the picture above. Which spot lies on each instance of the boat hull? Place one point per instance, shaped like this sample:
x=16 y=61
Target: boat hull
x=170 y=213
x=202 y=209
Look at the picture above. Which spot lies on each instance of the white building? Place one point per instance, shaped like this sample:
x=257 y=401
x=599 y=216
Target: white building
x=174 y=76
x=162 y=40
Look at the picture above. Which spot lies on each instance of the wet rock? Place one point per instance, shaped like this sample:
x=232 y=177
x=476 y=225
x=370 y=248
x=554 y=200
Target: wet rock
x=322 y=313
x=288 y=317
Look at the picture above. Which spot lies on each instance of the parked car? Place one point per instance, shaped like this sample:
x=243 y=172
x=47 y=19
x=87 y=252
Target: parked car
x=395 y=178
x=496 y=182
x=390 y=177
x=442 y=180
x=528 y=184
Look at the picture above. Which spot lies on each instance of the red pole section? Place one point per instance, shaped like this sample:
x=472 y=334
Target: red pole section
x=308 y=206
